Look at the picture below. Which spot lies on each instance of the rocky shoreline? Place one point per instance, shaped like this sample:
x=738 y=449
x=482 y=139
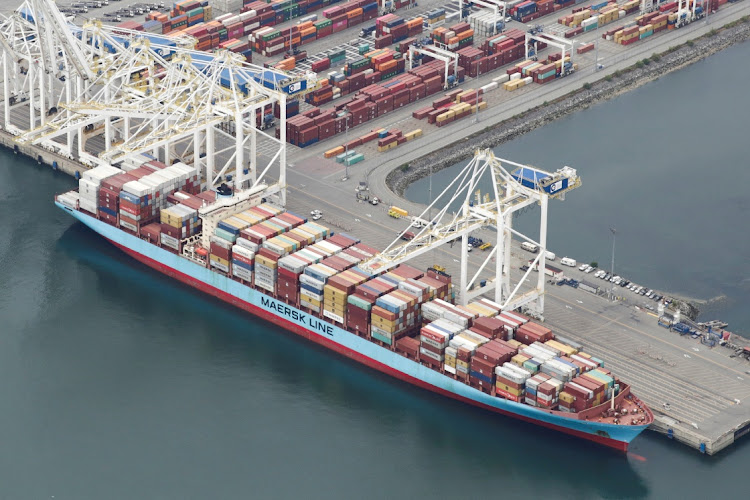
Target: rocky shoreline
x=609 y=87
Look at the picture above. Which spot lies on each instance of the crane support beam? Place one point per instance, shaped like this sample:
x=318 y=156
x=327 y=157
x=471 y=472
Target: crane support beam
x=525 y=186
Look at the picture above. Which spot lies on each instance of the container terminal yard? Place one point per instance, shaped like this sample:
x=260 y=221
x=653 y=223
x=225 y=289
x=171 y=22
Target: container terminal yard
x=86 y=88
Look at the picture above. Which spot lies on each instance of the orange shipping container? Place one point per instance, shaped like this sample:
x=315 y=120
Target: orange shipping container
x=354 y=13
x=387 y=66
x=307 y=31
x=305 y=25
x=466 y=34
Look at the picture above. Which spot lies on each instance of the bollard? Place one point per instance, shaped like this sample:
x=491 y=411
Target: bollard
x=54 y=165
x=39 y=159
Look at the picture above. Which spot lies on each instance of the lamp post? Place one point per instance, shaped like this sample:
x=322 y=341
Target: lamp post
x=612 y=269
x=347 y=114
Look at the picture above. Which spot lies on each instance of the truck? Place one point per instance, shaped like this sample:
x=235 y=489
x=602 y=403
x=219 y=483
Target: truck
x=529 y=247
x=567 y=261
x=397 y=213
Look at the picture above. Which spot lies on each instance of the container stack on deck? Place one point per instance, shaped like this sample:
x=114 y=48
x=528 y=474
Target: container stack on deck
x=403 y=309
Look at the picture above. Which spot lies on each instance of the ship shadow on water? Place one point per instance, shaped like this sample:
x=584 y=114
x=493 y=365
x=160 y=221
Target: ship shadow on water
x=497 y=449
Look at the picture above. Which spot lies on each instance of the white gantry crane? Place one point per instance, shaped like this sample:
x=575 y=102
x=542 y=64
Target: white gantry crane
x=565 y=45
x=498 y=9
x=524 y=187
x=105 y=95
x=446 y=56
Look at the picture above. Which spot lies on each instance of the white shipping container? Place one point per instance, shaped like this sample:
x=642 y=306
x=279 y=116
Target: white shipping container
x=515 y=76
x=242 y=273
x=169 y=241
x=528 y=80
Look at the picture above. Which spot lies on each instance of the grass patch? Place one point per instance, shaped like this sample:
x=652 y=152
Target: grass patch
x=587 y=86
x=647 y=61
x=404 y=167
x=690 y=43
x=655 y=57
x=639 y=64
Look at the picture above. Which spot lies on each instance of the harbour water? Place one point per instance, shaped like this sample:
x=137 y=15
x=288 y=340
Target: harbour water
x=116 y=382
x=666 y=165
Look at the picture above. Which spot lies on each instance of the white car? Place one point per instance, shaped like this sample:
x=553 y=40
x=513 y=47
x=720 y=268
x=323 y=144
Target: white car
x=583 y=267
x=316 y=212
x=375 y=200
x=588 y=269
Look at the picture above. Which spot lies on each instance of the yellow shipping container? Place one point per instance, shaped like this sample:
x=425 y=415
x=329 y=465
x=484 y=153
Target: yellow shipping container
x=519 y=359
x=450 y=361
x=568 y=398
x=247 y=218
x=507 y=388
x=259 y=259
x=216 y=258
x=309 y=299
x=335 y=310
x=566 y=349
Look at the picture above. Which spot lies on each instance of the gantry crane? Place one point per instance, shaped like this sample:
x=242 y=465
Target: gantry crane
x=106 y=95
x=497 y=7
x=525 y=186
x=446 y=56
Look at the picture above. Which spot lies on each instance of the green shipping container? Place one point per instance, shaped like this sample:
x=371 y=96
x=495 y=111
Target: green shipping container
x=270 y=36
x=381 y=338
x=337 y=56
x=547 y=74
x=364 y=48
x=323 y=24
x=360 y=63
x=354 y=159
x=356 y=301
x=195 y=12
x=343 y=156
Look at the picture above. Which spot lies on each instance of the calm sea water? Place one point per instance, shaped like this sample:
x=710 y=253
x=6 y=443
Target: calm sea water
x=667 y=166
x=117 y=383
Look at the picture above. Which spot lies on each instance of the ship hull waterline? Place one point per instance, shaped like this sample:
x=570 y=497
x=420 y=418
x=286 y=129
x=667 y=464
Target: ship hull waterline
x=325 y=334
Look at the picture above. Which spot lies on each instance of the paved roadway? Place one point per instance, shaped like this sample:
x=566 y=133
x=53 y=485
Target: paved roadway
x=307 y=162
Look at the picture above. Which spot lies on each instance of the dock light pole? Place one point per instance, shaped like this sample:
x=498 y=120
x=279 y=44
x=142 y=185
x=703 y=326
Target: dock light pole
x=347 y=114
x=612 y=270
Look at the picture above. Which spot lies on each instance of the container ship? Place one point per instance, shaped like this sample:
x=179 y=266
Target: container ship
x=302 y=277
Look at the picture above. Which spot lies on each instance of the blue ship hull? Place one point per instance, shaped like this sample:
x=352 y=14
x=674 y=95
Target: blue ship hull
x=349 y=344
